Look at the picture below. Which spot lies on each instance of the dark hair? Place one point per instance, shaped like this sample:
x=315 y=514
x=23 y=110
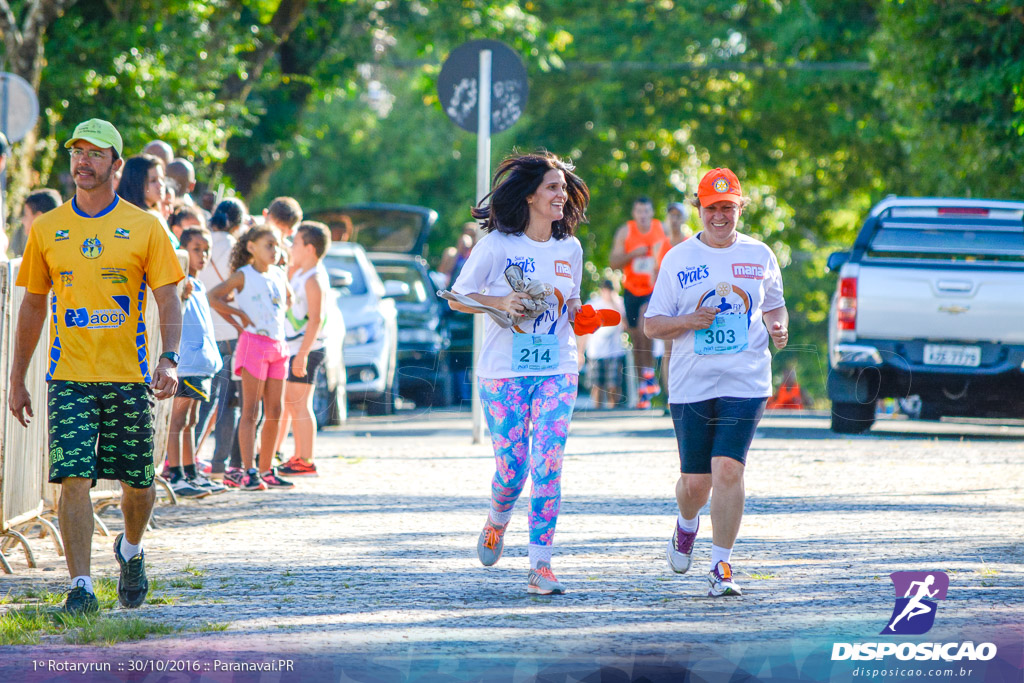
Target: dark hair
x=285 y=211
x=240 y=255
x=229 y=215
x=189 y=233
x=132 y=187
x=183 y=211
x=316 y=234
x=607 y=284
x=643 y=199
x=41 y=201
x=517 y=178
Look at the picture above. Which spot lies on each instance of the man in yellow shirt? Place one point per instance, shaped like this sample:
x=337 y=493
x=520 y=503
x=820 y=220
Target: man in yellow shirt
x=98 y=254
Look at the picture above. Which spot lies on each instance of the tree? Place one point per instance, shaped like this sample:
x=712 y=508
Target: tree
x=24 y=49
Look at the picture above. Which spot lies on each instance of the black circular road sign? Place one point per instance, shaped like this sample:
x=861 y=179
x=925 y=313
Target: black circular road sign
x=458 y=85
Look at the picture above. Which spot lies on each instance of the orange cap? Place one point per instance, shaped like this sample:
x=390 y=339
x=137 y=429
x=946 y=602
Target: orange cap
x=719 y=185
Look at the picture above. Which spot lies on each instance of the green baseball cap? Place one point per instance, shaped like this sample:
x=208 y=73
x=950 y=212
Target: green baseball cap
x=99 y=132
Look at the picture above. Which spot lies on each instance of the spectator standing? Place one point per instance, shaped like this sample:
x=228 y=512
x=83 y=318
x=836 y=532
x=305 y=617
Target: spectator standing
x=262 y=298
x=283 y=214
x=605 y=353
x=306 y=342
x=185 y=218
x=182 y=172
x=676 y=218
x=199 y=361
x=142 y=184
x=678 y=231
x=528 y=373
x=100 y=387
x=36 y=204
x=161 y=150
x=637 y=249
x=226 y=225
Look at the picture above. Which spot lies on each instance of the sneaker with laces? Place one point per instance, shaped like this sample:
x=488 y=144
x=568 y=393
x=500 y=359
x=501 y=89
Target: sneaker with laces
x=273 y=481
x=132 y=584
x=202 y=482
x=491 y=543
x=80 y=601
x=186 y=488
x=680 y=548
x=297 y=467
x=542 y=581
x=251 y=481
x=233 y=477
x=204 y=466
x=721 y=581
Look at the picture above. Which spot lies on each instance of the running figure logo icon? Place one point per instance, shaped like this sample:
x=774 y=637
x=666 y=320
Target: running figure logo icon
x=914 y=612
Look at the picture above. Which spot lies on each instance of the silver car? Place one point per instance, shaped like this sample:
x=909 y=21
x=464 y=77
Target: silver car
x=371 y=329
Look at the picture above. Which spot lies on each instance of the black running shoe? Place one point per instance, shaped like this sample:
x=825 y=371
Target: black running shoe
x=132 y=585
x=81 y=601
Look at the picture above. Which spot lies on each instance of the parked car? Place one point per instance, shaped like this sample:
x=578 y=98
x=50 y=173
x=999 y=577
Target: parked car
x=927 y=305
x=371 y=327
x=423 y=338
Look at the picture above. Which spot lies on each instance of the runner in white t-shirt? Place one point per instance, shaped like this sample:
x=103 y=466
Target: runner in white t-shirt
x=528 y=373
x=711 y=296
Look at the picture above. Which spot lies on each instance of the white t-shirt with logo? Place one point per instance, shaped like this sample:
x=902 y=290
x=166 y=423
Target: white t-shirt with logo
x=742 y=280
x=558 y=263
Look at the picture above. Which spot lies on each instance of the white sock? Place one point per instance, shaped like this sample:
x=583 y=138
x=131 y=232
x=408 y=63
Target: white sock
x=83 y=581
x=719 y=555
x=500 y=518
x=539 y=553
x=687 y=524
x=128 y=551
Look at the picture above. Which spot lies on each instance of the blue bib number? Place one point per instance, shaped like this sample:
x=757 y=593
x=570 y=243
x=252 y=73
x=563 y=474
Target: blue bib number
x=728 y=334
x=534 y=352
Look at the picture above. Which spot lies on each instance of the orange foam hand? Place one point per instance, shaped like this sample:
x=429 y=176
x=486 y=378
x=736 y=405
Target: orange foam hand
x=587 y=320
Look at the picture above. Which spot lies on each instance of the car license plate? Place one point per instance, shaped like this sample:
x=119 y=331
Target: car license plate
x=945 y=354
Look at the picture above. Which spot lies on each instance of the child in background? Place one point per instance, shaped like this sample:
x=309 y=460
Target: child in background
x=262 y=298
x=605 y=352
x=284 y=213
x=306 y=341
x=199 y=361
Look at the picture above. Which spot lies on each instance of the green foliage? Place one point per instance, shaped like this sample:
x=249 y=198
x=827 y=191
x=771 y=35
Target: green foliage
x=821 y=107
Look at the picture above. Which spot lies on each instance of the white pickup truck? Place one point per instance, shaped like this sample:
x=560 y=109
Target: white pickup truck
x=930 y=302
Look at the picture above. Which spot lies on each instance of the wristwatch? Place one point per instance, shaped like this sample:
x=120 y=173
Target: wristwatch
x=171 y=356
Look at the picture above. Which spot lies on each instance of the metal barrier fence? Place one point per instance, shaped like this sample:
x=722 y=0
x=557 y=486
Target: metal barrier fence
x=23 y=452
x=27 y=499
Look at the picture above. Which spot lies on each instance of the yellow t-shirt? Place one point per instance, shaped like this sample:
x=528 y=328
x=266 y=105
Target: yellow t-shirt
x=98 y=268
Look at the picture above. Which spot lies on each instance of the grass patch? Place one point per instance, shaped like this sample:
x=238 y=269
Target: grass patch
x=986 y=571
x=27 y=626
x=193 y=584
x=194 y=571
x=763 y=576
x=109 y=630
x=211 y=627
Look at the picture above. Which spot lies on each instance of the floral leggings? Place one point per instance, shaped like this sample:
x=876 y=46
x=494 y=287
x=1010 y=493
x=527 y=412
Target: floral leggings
x=512 y=406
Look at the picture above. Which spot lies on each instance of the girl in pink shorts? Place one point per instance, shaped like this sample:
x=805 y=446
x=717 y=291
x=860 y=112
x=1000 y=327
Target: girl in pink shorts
x=261 y=299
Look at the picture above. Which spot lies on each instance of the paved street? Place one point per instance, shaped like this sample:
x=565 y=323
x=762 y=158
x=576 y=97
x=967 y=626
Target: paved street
x=376 y=557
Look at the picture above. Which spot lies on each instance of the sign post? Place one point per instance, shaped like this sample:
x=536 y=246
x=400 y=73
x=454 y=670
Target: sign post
x=19 y=110
x=485 y=77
